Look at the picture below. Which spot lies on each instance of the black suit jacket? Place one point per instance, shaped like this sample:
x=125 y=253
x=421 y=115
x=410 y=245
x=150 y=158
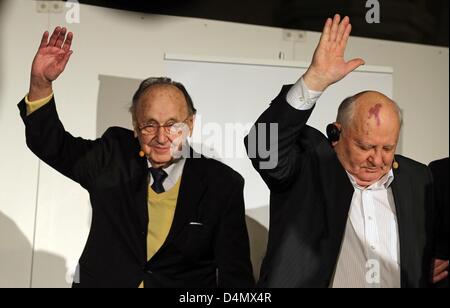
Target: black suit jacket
x=208 y=234
x=440 y=170
x=310 y=200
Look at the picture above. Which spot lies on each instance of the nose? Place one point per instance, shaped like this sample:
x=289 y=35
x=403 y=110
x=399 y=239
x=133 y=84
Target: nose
x=161 y=136
x=376 y=158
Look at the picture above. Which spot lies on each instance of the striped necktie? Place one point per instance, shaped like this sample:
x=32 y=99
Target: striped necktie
x=159 y=175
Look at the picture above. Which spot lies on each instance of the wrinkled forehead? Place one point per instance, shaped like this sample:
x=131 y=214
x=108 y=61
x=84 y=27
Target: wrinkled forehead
x=162 y=98
x=375 y=115
x=376 y=125
x=163 y=92
x=373 y=108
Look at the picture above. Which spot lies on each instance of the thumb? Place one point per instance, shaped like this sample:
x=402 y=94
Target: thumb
x=66 y=58
x=354 y=64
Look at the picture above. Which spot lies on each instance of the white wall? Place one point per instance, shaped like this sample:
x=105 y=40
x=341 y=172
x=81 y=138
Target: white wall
x=54 y=216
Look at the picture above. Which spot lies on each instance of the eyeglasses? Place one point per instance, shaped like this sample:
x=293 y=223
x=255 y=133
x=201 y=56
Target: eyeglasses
x=170 y=128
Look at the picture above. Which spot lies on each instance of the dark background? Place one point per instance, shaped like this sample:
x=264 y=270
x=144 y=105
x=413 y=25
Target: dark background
x=415 y=21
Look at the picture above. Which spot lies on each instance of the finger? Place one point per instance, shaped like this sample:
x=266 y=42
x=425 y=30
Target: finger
x=66 y=58
x=342 y=28
x=68 y=42
x=44 y=40
x=354 y=64
x=54 y=36
x=346 y=35
x=61 y=38
x=440 y=267
x=438 y=262
x=334 y=27
x=440 y=277
x=325 y=37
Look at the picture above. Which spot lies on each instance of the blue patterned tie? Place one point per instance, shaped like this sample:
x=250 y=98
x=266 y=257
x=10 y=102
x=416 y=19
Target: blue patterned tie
x=159 y=175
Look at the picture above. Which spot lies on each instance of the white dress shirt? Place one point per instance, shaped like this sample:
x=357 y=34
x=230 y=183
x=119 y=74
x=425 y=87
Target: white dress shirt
x=369 y=255
x=302 y=98
x=174 y=173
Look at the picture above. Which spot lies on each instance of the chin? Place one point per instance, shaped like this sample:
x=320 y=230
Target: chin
x=160 y=159
x=372 y=177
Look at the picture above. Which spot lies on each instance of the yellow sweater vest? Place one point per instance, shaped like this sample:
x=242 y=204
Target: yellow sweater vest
x=161 y=210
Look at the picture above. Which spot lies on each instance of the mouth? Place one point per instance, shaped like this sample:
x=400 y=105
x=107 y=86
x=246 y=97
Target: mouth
x=372 y=170
x=160 y=149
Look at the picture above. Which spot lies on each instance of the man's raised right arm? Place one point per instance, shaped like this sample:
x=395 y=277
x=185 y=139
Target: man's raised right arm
x=50 y=61
x=76 y=158
x=292 y=108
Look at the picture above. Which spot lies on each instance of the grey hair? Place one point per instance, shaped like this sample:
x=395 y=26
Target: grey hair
x=347 y=108
x=154 y=81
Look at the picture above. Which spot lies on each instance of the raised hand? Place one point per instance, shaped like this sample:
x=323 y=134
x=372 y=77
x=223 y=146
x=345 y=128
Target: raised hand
x=328 y=65
x=440 y=270
x=49 y=62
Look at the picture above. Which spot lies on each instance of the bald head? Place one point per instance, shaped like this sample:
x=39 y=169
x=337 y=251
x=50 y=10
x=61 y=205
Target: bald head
x=374 y=111
x=369 y=107
x=161 y=83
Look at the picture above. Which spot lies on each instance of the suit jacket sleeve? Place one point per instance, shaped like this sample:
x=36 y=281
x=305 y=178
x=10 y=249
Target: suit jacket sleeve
x=232 y=244
x=294 y=138
x=76 y=158
x=439 y=170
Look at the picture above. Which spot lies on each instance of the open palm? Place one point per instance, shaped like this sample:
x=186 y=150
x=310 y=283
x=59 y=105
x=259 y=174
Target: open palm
x=52 y=56
x=328 y=65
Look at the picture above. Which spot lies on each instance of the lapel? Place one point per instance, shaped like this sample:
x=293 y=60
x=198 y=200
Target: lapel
x=338 y=193
x=140 y=190
x=401 y=190
x=192 y=189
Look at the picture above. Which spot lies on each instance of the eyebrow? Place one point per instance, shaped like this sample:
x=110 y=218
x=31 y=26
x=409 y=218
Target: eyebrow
x=154 y=121
x=363 y=144
x=368 y=145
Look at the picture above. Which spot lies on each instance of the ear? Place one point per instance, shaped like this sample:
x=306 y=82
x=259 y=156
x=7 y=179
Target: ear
x=339 y=127
x=191 y=124
x=135 y=129
x=333 y=133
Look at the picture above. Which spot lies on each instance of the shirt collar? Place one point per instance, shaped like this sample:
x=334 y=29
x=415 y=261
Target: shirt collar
x=174 y=170
x=382 y=183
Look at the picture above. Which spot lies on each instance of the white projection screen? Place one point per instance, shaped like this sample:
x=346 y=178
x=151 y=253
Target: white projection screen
x=232 y=93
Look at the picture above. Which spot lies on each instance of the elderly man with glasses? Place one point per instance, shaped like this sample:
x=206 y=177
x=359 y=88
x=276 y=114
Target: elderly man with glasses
x=160 y=217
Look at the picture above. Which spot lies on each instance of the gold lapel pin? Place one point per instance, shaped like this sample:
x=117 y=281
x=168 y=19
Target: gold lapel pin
x=395 y=165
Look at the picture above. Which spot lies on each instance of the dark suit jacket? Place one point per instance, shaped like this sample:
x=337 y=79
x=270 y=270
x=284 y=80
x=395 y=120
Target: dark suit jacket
x=117 y=180
x=310 y=200
x=440 y=170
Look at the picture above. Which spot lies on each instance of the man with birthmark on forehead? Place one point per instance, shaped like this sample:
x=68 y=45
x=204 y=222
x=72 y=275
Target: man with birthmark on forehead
x=345 y=210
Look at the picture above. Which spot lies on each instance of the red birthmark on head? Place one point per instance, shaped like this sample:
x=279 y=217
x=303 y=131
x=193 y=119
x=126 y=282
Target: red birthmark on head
x=375 y=111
